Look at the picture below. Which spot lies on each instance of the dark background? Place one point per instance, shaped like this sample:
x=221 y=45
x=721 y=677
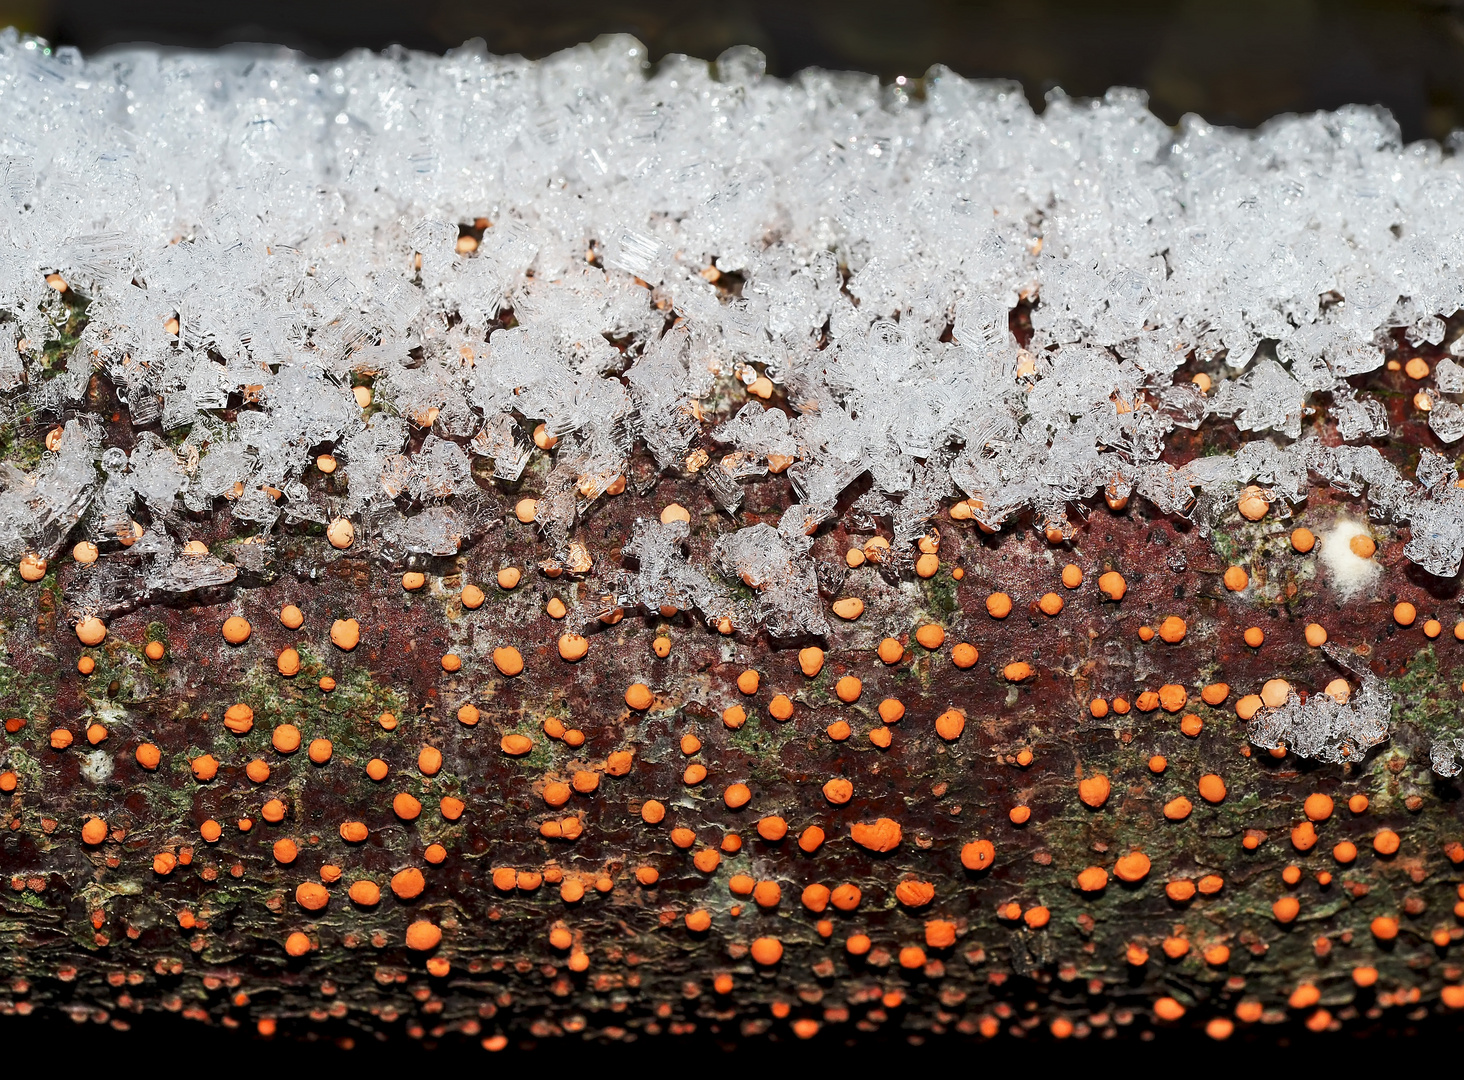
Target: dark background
x=1232 y=61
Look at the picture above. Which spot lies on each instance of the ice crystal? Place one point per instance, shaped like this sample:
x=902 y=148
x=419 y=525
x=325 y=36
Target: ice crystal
x=1324 y=728
x=600 y=247
x=664 y=577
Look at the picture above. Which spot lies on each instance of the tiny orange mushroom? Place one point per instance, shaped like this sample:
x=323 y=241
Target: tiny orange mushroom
x=767 y=951
x=949 y=724
x=965 y=655
x=286 y=738
x=1167 y=1008
x=573 y=647
x=772 y=828
x=508 y=660
x=1093 y=879
x=978 y=855
x=911 y=957
x=1286 y=909
x=516 y=745
x=1132 y=867
x=345 y=634
x=239 y=718
x=1177 y=809
x=91 y=631
x=883 y=834
x=1318 y=807
x=838 y=791
x=930 y=636
x=423 y=936
x=1094 y=790
x=914 y=893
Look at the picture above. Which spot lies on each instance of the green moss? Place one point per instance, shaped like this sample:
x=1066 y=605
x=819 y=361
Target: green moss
x=29 y=696
x=541 y=758
x=1423 y=699
x=763 y=741
x=272 y=696
x=922 y=669
x=940 y=595
x=174 y=797
x=360 y=699
x=816 y=692
x=1251 y=543
x=1226 y=545
x=24 y=454
x=26 y=767
x=68 y=320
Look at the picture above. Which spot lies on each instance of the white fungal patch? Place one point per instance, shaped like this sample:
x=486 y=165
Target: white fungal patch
x=1348 y=573
x=96 y=767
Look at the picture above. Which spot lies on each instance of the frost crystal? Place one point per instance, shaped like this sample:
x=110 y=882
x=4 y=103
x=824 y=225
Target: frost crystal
x=1323 y=728
x=664 y=577
x=776 y=564
x=414 y=263
x=1444 y=756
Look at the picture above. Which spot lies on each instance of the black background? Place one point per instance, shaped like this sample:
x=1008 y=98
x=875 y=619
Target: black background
x=1232 y=61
